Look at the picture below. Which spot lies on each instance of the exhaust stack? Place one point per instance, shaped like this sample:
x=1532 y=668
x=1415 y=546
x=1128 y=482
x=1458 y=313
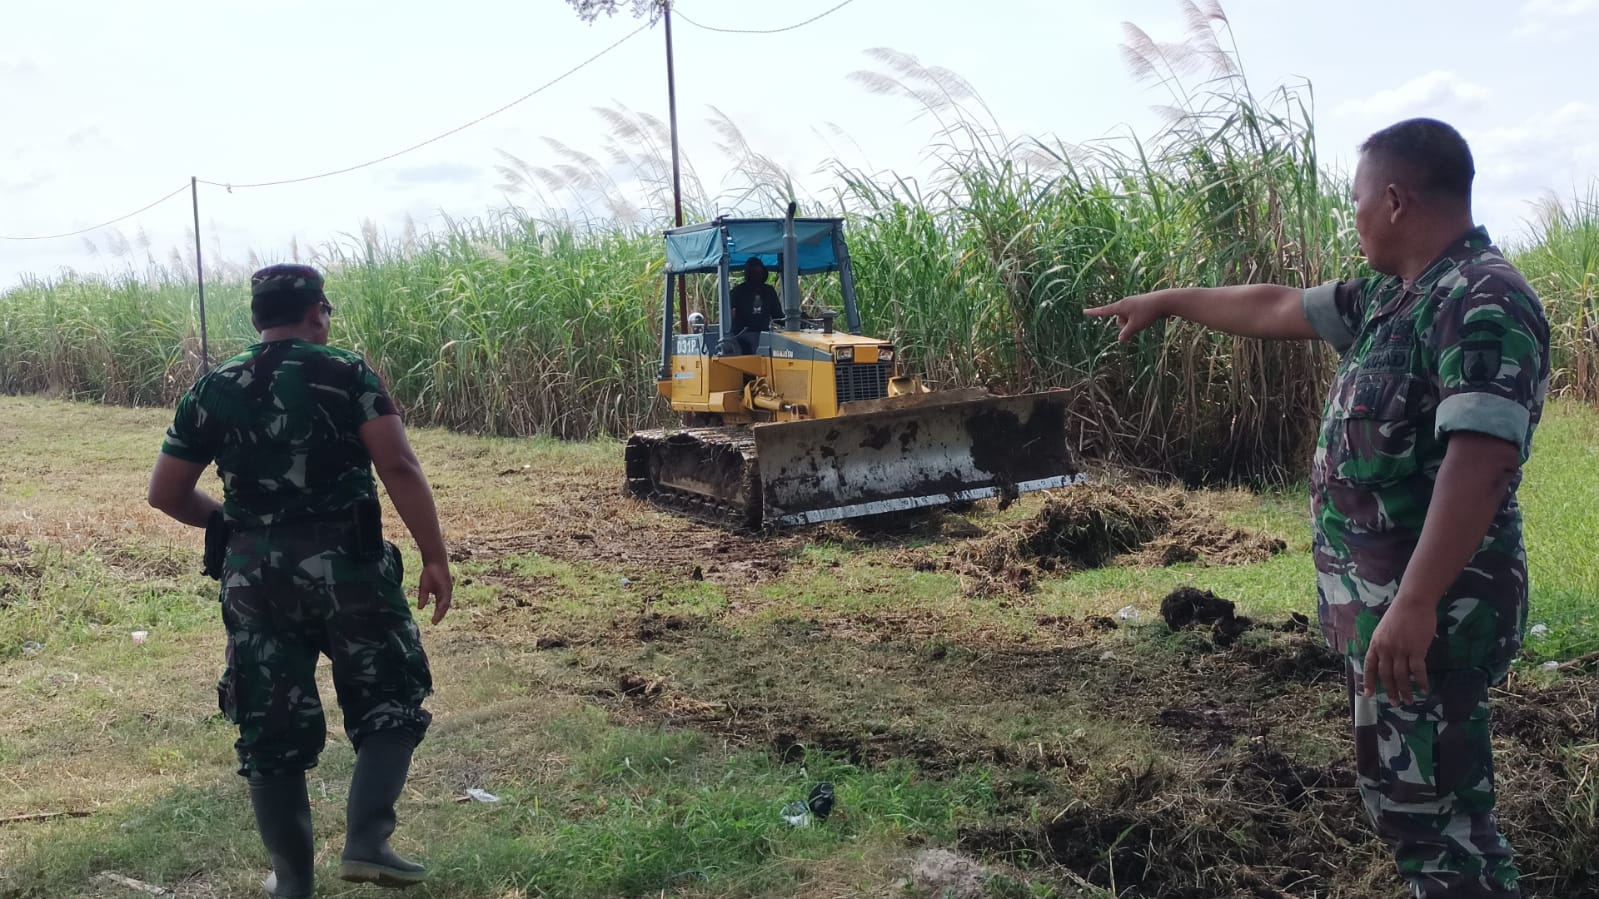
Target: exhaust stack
x=791 y=294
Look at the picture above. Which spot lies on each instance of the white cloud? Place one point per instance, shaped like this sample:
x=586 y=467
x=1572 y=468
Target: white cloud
x=54 y=76
x=89 y=136
x=14 y=184
x=1548 y=152
x=1564 y=136
x=1434 y=94
x=1555 y=19
x=17 y=67
x=1558 y=9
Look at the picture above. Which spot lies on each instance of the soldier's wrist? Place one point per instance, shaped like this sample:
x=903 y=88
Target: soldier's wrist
x=1168 y=302
x=1412 y=604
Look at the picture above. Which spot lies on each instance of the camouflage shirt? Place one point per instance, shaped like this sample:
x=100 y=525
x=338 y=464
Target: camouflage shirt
x=1463 y=348
x=281 y=420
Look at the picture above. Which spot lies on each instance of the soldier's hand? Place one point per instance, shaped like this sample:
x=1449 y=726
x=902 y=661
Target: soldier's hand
x=435 y=585
x=1398 y=651
x=1133 y=313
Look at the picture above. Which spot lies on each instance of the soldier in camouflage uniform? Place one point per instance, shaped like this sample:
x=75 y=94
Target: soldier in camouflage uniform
x=1421 y=570
x=295 y=428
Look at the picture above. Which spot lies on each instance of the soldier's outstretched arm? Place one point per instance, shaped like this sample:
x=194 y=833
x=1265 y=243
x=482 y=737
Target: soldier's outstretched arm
x=1247 y=310
x=395 y=462
x=172 y=490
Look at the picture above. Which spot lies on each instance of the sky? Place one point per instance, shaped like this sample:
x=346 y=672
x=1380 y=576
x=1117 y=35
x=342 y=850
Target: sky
x=109 y=105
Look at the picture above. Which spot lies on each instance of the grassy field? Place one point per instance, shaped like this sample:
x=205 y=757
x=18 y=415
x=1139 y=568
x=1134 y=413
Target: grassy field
x=644 y=694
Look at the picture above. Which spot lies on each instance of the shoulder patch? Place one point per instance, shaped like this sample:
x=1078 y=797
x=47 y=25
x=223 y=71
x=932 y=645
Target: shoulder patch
x=1480 y=361
x=1481 y=342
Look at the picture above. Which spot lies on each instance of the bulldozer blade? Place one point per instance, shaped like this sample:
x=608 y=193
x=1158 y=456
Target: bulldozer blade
x=922 y=455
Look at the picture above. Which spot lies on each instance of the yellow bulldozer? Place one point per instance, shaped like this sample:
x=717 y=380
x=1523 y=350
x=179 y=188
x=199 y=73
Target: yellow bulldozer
x=796 y=419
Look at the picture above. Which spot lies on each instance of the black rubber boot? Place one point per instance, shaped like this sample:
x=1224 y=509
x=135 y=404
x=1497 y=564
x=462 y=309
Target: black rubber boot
x=381 y=766
x=283 y=817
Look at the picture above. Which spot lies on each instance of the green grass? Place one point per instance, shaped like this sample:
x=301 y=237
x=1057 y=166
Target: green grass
x=55 y=599
x=1269 y=590
x=1560 y=504
x=967 y=715
x=629 y=812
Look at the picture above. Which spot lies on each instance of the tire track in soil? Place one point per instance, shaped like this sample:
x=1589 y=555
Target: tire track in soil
x=582 y=522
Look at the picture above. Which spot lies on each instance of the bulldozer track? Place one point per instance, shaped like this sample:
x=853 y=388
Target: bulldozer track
x=704 y=510
x=653 y=456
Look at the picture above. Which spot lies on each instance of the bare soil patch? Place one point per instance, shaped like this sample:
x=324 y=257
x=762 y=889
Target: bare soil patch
x=584 y=522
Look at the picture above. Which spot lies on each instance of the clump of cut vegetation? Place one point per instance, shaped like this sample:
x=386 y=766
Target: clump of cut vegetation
x=1093 y=525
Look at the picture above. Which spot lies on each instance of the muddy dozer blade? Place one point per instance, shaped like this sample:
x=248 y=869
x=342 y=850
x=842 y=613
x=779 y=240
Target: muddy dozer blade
x=927 y=454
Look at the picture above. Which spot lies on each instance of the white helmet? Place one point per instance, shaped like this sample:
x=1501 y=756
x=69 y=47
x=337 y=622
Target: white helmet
x=696 y=321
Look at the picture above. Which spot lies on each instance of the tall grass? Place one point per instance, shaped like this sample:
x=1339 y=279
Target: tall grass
x=520 y=324
x=511 y=326
x=1562 y=262
x=1230 y=191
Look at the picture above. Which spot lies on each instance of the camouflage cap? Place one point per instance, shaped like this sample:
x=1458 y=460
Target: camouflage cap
x=285 y=276
x=281 y=294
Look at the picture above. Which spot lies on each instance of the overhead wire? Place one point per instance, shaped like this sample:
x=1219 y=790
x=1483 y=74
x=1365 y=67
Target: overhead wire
x=821 y=15
x=230 y=186
x=105 y=224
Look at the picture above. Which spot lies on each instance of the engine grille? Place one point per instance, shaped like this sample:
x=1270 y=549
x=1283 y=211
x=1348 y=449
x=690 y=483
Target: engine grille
x=866 y=381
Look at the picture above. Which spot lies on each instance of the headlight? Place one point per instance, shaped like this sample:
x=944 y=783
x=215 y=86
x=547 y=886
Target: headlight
x=885 y=354
x=843 y=353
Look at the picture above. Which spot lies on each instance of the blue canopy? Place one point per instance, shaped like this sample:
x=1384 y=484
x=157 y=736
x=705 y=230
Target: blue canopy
x=699 y=249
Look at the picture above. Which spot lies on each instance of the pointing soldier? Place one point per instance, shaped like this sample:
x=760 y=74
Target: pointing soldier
x=295 y=428
x=1421 y=569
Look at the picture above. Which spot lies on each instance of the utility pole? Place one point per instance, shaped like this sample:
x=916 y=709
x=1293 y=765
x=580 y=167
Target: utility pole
x=677 y=177
x=199 y=275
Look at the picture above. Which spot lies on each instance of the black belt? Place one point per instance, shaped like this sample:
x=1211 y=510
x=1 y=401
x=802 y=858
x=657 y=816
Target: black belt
x=365 y=518
x=342 y=516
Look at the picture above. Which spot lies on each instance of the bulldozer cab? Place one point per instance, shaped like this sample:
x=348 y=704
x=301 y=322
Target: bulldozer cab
x=769 y=365
x=723 y=247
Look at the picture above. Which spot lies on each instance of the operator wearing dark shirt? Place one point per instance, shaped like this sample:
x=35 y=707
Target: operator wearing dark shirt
x=755 y=303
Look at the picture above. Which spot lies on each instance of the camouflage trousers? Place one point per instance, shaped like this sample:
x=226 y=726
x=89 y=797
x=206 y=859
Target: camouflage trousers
x=1425 y=769
x=291 y=594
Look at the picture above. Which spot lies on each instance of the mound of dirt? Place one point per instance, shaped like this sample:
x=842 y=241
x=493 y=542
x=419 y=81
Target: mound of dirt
x=1187 y=606
x=1082 y=528
x=1092 y=525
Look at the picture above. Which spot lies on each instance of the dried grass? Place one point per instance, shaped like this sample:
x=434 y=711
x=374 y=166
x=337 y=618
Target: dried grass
x=1093 y=525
